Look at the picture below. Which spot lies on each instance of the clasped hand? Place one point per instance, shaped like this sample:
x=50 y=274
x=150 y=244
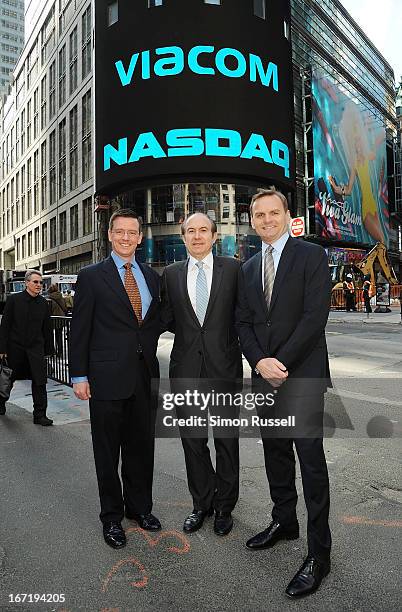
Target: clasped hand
x=273 y=371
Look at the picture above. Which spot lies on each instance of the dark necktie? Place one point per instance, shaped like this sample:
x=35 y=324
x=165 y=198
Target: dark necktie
x=130 y=285
x=269 y=274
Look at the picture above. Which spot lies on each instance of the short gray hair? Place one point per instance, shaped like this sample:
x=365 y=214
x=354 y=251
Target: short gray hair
x=29 y=273
x=214 y=229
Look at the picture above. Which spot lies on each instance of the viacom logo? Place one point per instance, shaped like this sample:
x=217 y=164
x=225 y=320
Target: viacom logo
x=195 y=142
x=202 y=60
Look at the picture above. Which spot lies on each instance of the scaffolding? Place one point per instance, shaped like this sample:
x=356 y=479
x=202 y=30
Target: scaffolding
x=308 y=158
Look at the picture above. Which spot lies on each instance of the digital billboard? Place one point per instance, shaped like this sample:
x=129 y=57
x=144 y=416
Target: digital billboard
x=192 y=91
x=350 y=174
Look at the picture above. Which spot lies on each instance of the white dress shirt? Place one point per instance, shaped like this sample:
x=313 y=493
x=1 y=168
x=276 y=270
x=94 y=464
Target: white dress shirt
x=277 y=248
x=192 y=272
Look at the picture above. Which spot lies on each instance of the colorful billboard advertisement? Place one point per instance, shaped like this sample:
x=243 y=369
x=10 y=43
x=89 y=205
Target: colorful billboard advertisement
x=350 y=175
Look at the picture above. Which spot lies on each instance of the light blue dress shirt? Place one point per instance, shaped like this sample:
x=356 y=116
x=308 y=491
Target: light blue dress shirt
x=146 y=297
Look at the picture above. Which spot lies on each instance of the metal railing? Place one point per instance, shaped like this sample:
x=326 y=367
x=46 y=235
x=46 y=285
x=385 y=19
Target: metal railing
x=57 y=364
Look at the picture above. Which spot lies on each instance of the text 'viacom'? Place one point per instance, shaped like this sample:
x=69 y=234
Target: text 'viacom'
x=192 y=91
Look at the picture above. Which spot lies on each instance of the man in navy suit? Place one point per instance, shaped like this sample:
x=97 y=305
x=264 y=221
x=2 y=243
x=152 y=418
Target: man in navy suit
x=283 y=306
x=114 y=337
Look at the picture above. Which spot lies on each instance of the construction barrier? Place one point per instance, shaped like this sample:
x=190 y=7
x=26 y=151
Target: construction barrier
x=338 y=298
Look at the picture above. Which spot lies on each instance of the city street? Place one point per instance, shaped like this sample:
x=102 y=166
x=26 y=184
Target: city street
x=51 y=540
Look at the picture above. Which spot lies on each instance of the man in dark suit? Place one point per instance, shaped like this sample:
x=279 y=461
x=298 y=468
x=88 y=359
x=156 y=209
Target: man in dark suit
x=25 y=338
x=114 y=336
x=199 y=297
x=283 y=306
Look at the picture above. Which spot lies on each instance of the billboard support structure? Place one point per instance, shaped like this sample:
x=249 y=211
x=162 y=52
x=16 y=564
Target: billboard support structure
x=307 y=124
x=398 y=174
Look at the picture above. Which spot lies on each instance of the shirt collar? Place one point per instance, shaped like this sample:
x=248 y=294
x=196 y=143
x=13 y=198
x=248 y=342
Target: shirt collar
x=208 y=261
x=120 y=262
x=278 y=245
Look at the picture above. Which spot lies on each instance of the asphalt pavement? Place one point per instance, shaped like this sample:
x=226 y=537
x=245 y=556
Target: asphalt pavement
x=51 y=541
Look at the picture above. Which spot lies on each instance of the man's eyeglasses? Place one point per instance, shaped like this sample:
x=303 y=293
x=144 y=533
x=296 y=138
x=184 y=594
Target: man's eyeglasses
x=36 y=282
x=120 y=233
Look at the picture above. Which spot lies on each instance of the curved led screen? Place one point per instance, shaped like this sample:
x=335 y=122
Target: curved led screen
x=195 y=91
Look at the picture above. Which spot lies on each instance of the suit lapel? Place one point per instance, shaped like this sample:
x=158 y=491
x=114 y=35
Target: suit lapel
x=112 y=278
x=256 y=281
x=217 y=275
x=284 y=264
x=152 y=286
x=183 y=291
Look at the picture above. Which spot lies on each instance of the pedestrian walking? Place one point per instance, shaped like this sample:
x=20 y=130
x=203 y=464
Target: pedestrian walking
x=25 y=339
x=58 y=308
x=69 y=301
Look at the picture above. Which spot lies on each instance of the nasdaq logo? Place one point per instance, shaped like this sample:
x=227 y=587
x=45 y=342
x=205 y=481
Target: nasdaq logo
x=193 y=142
x=201 y=60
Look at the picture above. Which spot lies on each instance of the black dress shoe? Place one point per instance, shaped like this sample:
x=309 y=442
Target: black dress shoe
x=145 y=521
x=308 y=578
x=2 y=409
x=43 y=420
x=114 y=534
x=195 y=520
x=223 y=523
x=271 y=535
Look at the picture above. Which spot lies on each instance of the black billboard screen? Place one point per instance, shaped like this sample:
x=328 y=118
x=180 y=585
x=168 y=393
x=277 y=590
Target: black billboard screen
x=192 y=91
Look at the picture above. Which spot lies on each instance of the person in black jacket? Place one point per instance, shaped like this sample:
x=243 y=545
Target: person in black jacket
x=25 y=338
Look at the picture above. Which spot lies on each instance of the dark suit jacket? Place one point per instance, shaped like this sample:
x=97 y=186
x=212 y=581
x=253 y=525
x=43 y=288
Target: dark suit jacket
x=216 y=343
x=293 y=328
x=26 y=336
x=106 y=340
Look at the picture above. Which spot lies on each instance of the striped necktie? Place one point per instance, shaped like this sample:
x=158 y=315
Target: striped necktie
x=130 y=285
x=201 y=293
x=269 y=274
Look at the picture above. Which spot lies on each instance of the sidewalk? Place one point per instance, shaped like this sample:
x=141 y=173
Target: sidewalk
x=393 y=317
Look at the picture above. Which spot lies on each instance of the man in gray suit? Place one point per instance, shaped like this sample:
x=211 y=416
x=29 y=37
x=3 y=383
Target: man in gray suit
x=198 y=305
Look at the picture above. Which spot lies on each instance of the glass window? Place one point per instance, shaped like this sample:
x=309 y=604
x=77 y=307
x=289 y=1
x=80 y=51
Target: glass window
x=87 y=216
x=259 y=8
x=63 y=227
x=74 y=222
x=112 y=13
x=152 y=3
x=44 y=237
x=212 y=1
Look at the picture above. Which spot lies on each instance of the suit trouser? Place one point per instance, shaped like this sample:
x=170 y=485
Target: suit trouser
x=125 y=428
x=281 y=473
x=209 y=487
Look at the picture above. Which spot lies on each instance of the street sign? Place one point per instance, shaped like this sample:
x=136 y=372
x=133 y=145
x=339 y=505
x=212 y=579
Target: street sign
x=297 y=227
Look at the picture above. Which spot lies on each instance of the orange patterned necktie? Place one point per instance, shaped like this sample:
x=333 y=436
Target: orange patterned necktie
x=130 y=285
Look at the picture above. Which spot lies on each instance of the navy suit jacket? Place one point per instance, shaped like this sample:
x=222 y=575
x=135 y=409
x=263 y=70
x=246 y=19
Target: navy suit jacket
x=106 y=339
x=292 y=329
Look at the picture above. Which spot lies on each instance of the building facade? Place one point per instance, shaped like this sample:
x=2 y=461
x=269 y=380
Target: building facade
x=46 y=178
x=11 y=40
x=330 y=48
x=49 y=215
